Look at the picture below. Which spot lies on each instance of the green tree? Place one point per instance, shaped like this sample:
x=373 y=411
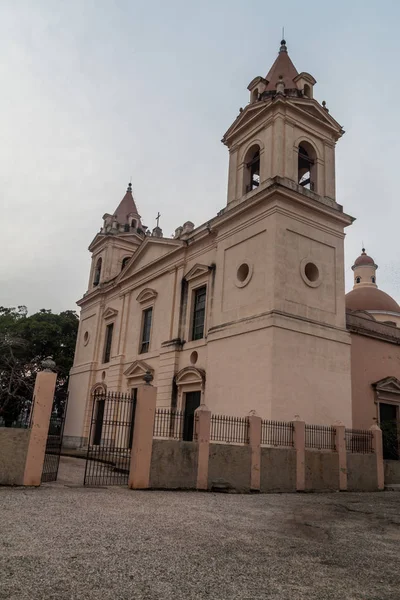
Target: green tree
x=24 y=342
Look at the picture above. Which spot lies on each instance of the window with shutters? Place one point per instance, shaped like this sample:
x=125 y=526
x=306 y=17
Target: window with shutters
x=108 y=343
x=146 y=330
x=199 y=313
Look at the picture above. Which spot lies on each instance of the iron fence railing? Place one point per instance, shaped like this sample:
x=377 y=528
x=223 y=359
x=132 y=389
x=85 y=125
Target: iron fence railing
x=229 y=429
x=359 y=441
x=321 y=437
x=277 y=433
x=169 y=423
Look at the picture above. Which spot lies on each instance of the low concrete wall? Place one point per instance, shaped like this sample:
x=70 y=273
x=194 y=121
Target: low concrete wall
x=361 y=472
x=278 y=470
x=322 y=470
x=74 y=443
x=173 y=465
x=229 y=466
x=13 y=452
x=392 y=471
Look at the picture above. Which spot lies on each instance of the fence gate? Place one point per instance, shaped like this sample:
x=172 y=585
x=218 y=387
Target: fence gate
x=54 y=443
x=110 y=438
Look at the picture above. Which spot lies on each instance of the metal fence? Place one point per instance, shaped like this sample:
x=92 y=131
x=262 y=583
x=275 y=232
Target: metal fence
x=321 y=437
x=169 y=423
x=110 y=439
x=53 y=448
x=277 y=433
x=359 y=441
x=229 y=429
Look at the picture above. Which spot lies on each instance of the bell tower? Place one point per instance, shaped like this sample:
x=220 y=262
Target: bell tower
x=118 y=239
x=282 y=182
x=283 y=132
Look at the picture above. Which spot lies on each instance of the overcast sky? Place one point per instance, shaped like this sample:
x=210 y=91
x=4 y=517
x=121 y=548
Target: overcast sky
x=93 y=92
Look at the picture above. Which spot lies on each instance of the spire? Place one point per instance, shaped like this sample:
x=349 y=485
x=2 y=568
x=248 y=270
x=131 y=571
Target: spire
x=283 y=69
x=127 y=208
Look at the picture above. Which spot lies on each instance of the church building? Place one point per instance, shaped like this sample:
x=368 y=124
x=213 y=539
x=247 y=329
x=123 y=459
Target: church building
x=247 y=311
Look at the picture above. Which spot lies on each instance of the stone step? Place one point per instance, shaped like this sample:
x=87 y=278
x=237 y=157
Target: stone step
x=392 y=487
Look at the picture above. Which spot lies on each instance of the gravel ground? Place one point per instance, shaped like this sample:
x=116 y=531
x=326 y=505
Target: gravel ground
x=63 y=541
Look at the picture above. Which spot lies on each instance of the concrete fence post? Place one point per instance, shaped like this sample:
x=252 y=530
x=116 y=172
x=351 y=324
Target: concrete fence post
x=300 y=447
x=43 y=395
x=377 y=446
x=340 y=445
x=203 y=426
x=255 y=447
x=142 y=442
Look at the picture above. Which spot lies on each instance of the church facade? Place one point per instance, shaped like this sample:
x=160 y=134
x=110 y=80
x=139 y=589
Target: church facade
x=247 y=311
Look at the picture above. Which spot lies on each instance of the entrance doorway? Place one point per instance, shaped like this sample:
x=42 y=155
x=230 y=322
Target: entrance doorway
x=388 y=420
x=99 y=418
x=192 y=402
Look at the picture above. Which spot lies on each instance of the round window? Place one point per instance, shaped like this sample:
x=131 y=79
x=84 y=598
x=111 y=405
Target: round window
x=194 y=357
x=243 y=274
x=310 y=273
x=86 y=338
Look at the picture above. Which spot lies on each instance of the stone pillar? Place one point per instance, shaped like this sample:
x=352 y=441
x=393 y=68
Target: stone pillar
x=378 y=449
x=142 y=443
x=340 y=445
x=203 y=426
x=255 y=446
x=300 y=447
x=43 y=396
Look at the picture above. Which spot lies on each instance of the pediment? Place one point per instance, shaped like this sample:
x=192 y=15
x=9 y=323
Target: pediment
x=389 y=385
x=190 y=375
x=110 y=313
x=312 y=108
x=146 y=295
x=103 y=239
x=197 y=271
x=138 y=369
x=148 y=253
x=251 y=112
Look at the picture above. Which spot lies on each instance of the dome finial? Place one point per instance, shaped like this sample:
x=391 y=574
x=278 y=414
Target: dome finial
x=283 y=47
x=129 y=189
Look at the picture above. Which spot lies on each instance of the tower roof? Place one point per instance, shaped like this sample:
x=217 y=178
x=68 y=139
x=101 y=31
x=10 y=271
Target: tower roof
x=282 y=67
x=363 y=260
x=126 y=207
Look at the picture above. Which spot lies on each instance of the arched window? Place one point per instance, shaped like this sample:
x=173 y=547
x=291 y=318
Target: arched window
x=307 y=167
x=252 y=169
x=373 y=279
x=126 y=227
x=307 y=91
x=358 y=279
x=124 y=262
x=254 y=95
x=97 y=272
x=133 y=223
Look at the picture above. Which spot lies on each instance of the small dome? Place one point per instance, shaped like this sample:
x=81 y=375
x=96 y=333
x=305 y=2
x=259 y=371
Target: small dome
x=370 y=298
x=363 y=259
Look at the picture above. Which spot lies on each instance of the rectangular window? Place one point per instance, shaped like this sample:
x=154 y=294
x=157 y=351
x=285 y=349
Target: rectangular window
x=146 y=329
x=199 y=313
x=108 y=342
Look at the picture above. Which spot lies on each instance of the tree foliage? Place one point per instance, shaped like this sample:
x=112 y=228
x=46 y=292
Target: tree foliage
x=24 y=342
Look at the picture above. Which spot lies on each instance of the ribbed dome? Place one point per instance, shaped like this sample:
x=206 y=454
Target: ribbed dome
x=370 y=298
x=363 y=259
